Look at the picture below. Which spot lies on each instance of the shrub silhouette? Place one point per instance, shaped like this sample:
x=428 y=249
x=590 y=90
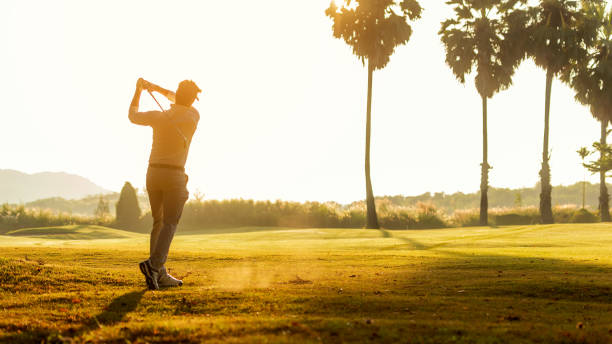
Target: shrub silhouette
x=584 y=216
x=128 y=210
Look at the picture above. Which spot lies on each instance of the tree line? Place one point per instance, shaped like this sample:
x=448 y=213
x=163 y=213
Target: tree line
x=104 y=207
x=562 y=195
x=512 y=207
x=570 y=40
x=211 y=216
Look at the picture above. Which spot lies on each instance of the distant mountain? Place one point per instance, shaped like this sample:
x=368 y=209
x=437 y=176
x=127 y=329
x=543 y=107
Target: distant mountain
x=19 y=187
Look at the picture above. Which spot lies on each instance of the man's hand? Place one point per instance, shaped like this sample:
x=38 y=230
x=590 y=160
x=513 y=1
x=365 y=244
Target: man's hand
x=144 y=85
x=148 y=86
x=151 y=87
x=141 y=84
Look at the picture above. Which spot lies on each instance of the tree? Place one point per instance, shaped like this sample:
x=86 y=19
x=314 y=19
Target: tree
x=557 y=38
x=102 y=211
x=128 y=209
x=476 y=39
x=591 y=79
x=518 y=200
x=602 y=166
x=373 y=28
x=605 y=166
x=583 y=152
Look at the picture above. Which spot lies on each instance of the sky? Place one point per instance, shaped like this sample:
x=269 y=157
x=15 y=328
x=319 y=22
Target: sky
x=283 y=107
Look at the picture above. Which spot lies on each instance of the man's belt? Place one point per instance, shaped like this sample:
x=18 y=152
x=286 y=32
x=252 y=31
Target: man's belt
x=172 y=167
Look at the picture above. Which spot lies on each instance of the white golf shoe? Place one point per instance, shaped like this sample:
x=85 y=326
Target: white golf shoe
x=167 y=280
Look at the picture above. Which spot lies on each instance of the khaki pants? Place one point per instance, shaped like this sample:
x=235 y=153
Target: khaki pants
x=167 y=189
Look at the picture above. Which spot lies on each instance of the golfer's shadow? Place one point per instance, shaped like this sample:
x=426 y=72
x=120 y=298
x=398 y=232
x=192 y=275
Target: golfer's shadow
x=414 y=243
x=119 y=307
x=112 y=314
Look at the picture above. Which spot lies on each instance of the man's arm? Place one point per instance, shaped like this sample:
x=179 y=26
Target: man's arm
x=142 y=118
x=164 y=92
x=135 y=101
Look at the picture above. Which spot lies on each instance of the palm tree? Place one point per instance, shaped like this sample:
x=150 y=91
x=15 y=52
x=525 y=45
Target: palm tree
x=604 y=197
x=602 y=166
x=557 y=37
x=591 y=78
x=373 y=28
x=583 y=152
x=476 y=38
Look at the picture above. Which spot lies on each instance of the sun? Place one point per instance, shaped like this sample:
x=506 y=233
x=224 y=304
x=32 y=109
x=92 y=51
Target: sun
x=338 y=3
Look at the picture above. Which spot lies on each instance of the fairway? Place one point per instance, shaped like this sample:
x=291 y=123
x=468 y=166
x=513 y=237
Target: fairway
x=546 y=283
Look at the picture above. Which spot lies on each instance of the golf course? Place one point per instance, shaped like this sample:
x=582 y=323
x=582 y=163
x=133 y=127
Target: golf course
x=539 y=283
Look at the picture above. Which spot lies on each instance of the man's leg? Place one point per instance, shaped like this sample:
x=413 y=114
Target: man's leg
x=173 y=202
x=156 y=197
x=157 y=210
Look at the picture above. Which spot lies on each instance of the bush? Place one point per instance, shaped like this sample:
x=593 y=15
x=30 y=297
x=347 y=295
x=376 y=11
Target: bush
x=429 y=217
x=584 y=216
x=512 y=216
x=200 y=214
x=128 y=210
x=236 y=213
x=513 y=219
x=15 y=217
x=466 y=218
x=564 y=214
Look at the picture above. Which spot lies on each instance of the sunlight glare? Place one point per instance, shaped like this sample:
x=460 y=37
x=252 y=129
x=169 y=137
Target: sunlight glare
x=338 y=3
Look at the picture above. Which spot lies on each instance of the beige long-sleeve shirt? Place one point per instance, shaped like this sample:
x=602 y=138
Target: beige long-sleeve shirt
x=172 y=132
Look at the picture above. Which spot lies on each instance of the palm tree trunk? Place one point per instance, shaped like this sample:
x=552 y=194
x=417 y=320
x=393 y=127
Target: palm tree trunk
x=583 y=188
x=545 y=194
x=371 y=205
x=604 y=208
x=484 y=175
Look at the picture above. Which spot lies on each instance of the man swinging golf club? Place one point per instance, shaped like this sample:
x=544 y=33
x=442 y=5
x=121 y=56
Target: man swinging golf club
x=166 y=178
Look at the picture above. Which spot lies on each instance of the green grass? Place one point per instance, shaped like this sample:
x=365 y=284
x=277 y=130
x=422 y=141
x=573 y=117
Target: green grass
x=548 y=283
x=74 y=232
